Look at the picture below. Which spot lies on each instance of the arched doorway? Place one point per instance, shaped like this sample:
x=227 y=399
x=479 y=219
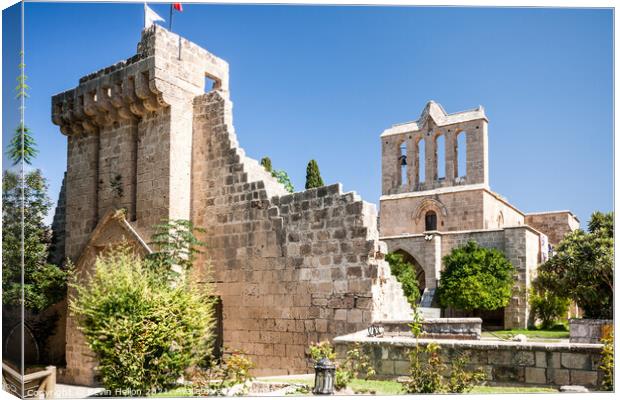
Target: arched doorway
x=419 y=271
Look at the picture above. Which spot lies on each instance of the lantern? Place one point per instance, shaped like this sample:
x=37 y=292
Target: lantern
x=324 y=376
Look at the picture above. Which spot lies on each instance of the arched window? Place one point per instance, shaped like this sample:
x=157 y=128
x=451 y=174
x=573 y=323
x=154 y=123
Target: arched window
x=500 y=220
x=402 y=163
x=430 y=221
x=421 y=161
x=440 y=156
x=461 y=154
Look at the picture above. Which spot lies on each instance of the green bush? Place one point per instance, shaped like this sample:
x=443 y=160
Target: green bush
x=582 y=268
x=426 y=373
x=233 y=369
x=607 y=363
x=547 y=307
x=475 y=278
x=357 y=362
x=405 y=273
x=143 y=331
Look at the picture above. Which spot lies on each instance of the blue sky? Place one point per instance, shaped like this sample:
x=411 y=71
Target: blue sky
x=324 y=82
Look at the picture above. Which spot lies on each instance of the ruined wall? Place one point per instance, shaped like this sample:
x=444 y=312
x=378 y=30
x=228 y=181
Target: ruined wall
x=291 y=269
x=554 y=224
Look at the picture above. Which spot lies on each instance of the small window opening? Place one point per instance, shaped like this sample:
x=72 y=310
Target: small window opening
x=421 y=161
x=440 y=152
x=209 y=84
x=430 y=221
x=402 y=162
x=461 y=154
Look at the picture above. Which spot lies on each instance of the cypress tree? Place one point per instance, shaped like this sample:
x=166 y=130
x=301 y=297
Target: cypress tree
x=266 y=163
x=313 y=175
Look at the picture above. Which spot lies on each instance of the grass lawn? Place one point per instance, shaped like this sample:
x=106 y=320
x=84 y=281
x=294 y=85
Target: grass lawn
x=533 y=333
x=392 y=387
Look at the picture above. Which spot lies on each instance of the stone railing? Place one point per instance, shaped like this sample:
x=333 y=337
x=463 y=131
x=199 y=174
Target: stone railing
x=533 y=364
x=589 y=330
x=438 y=328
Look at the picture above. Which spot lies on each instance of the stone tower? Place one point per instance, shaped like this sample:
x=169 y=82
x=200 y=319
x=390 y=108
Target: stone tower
x=146 y=143
x=436 y=196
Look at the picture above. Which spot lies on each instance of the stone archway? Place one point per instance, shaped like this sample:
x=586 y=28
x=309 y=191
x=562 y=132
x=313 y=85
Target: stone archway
x=419 y=271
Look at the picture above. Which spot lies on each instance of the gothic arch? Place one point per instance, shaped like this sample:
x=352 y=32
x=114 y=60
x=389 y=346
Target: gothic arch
x=419 y=271
x=430 y=205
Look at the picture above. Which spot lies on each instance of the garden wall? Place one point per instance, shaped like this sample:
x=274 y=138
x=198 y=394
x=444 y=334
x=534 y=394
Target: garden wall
x=533 y=364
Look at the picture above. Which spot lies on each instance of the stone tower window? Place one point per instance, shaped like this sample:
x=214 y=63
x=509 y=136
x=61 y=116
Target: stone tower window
x=421 y=161
x=430 y=221
x=402 y=164
x=440 y=156
x=461 y=154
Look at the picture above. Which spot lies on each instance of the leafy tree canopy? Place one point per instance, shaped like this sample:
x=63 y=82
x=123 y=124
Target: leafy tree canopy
x=266 y=163
x=405 y=273
x=44 y=284
x=582 y=267
x=475 y=278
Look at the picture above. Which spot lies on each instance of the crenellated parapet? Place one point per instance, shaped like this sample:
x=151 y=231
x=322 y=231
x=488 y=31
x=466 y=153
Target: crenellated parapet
x=165 y=70
x=108 y=99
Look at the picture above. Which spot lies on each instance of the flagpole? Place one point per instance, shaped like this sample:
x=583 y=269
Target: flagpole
x=170 y=27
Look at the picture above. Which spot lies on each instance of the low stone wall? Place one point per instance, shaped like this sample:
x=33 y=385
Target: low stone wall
x=532 y=364
x=438 y=328
x=589 y=330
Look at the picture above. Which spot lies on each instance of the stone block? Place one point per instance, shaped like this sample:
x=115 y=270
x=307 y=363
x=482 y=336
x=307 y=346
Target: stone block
x=558 y=376
x=535 y=375
x=576 y=361
x=585 y=378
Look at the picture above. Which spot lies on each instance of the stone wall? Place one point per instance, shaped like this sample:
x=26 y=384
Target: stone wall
x=57 y=247
x=533 y=364
x=589 y=330
x=554 y=224
x=498 y=213
x=291 y=269
x=520 y=244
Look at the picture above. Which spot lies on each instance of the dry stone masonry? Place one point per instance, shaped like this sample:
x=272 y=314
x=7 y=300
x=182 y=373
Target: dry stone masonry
x=145 y=143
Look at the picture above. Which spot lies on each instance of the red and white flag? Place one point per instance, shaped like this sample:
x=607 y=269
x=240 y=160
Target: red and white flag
x=178 y=6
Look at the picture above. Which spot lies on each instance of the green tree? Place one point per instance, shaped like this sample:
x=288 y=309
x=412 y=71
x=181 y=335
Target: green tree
x=582 y=267
x=313 y=175
x=144 y=331
x=284 y=179
x=266 y=163
x=44 y=283
x=22 y=147
x=475 y=278
x=176 y=246
x=405 y=274
x=547 y=306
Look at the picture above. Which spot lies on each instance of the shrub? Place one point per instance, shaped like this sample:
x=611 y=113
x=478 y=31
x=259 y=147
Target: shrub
x=233 y=369
x=284 y=179
x=357 y=362
x=405 y=274
x=475 y=278
x=426 y=374
x=313 y=175
x=143 y=331
x=582 y=268
x=607 y=363
x=266 y=163
x=548 y=307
